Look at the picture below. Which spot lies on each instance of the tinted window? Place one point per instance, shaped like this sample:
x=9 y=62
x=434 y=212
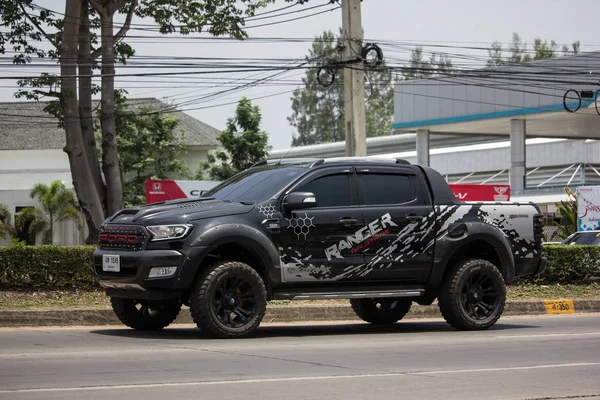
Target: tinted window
x=386 y=189
x=256 y=184
x=330 y=191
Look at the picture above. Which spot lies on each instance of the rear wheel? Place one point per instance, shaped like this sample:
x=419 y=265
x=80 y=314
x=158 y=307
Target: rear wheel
x=229 y=300
x=140 y=315
x=381 y=310
x=473 y=295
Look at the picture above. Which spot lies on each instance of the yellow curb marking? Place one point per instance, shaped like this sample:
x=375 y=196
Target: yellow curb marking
x=559 y=306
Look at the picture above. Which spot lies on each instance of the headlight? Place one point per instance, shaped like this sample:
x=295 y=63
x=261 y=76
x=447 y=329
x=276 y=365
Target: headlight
x=166 y=232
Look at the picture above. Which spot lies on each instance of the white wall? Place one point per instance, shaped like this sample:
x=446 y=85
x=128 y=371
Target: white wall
x=20 y=170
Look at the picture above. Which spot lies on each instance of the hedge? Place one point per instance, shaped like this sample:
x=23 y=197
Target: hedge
x=54 y=267
x=569 y=264
x=48 y=267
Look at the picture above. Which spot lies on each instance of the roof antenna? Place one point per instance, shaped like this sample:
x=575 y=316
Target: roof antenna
x=285 y=155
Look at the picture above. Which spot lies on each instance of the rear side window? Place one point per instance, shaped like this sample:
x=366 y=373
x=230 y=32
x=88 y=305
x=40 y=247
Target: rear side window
x=387 y=189
x=330 y=191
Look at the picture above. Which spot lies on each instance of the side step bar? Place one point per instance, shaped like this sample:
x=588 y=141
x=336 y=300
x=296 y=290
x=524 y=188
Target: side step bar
x=349 y=295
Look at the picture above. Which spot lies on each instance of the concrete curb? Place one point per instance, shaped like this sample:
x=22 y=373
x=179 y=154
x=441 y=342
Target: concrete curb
x=275 y=313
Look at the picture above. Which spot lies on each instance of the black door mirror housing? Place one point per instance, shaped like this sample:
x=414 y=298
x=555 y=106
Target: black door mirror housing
x=299 y=200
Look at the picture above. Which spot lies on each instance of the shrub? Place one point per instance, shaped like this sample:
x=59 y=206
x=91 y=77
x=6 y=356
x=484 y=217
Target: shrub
x=47 y=267
x=569 y=264
x=54 y=267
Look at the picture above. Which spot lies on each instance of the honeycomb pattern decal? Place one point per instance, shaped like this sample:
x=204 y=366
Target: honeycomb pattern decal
x=301 y=225
x=268 y=210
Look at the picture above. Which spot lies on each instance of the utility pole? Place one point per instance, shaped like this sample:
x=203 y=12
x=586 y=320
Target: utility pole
x=354 y=87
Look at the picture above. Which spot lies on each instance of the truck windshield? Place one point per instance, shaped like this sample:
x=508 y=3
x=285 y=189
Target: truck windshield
x=255 y=185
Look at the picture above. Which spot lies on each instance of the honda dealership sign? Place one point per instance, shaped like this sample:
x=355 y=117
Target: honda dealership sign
x=481 y=192
x=588 y=208
x=162 y=190
x=165 y=189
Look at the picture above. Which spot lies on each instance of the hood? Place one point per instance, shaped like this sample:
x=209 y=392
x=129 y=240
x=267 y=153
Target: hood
x=178 y=211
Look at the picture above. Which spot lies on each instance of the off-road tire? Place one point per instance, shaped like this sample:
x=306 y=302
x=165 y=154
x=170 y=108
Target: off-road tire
x=210 y=300
x=139 y=315
x=381 y=311
x=466 y=305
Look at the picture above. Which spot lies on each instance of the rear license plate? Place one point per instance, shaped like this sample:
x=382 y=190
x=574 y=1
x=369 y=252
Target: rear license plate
x=111 y=263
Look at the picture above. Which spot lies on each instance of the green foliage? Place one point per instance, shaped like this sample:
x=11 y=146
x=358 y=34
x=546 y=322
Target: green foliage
x=518 y=52
x=150 y=147
x=57 y=204
x=568 y=211
x=49 y=267
x=217 y=17
x=245 y=144
x=7 y=230
x=569 y=264
x=72 y=266
x=318 y=112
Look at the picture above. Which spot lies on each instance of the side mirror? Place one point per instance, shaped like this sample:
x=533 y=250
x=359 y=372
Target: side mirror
x=299 y=200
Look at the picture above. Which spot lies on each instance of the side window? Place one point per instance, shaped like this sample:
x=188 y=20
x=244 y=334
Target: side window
x=386 y=189
x=330 y=191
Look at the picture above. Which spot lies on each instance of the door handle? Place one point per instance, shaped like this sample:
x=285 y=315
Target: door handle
x=414 y=218
x=347 y=222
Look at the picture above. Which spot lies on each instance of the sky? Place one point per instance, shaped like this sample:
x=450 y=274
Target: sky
x=460 y=23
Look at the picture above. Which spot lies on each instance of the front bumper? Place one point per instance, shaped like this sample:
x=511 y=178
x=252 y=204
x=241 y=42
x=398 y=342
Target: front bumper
x=133 y=281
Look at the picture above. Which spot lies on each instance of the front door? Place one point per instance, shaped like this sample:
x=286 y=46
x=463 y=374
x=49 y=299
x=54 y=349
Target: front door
x=310 y=238
x=393 y=204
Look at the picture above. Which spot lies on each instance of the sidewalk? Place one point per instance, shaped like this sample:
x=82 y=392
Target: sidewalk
x=275 y=313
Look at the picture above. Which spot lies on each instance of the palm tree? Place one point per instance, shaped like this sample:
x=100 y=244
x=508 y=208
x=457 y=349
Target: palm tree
x=6 y=228
x=58 y=204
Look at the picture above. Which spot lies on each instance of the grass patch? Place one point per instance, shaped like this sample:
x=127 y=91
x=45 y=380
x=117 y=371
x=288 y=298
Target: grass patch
x=77 y=298
x=555 y=291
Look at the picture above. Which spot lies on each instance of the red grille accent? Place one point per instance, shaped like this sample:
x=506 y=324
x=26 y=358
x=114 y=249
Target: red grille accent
x=123 y=237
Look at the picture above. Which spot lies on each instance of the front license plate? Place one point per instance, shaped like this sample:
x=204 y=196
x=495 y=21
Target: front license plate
x=111 y=263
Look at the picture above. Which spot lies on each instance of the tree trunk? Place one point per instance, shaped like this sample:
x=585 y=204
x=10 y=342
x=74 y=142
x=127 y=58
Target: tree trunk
x=110 y=158
x=85 y=102
x=75 y=148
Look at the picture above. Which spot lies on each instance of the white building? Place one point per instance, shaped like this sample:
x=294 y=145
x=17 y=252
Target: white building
x=31 y=151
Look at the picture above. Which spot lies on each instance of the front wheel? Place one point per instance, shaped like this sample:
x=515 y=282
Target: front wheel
x=381 y=311
x=229 y=300
x=473 y=295
x=143 y=316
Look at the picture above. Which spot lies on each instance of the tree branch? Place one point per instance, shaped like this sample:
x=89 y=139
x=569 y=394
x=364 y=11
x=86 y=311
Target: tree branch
x=116 y=6
x=123 y=31
x=50 y=93
x=97 y=6
x=34 y=22
x=96 y=53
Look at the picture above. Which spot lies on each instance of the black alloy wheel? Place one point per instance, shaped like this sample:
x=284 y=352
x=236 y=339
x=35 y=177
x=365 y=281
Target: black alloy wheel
x=228 y=300
x=145 y=316
x=235 y=302
x=473 y=295
x=381 y=311
x=479 y=297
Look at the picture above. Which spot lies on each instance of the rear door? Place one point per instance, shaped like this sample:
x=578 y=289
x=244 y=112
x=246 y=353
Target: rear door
x=401 y=224
x=310 y=238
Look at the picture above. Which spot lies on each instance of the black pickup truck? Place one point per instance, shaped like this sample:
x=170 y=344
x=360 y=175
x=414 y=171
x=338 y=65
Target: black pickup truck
x=382 y=233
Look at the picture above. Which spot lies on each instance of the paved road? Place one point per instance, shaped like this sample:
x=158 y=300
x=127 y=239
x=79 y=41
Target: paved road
x=520 y=358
